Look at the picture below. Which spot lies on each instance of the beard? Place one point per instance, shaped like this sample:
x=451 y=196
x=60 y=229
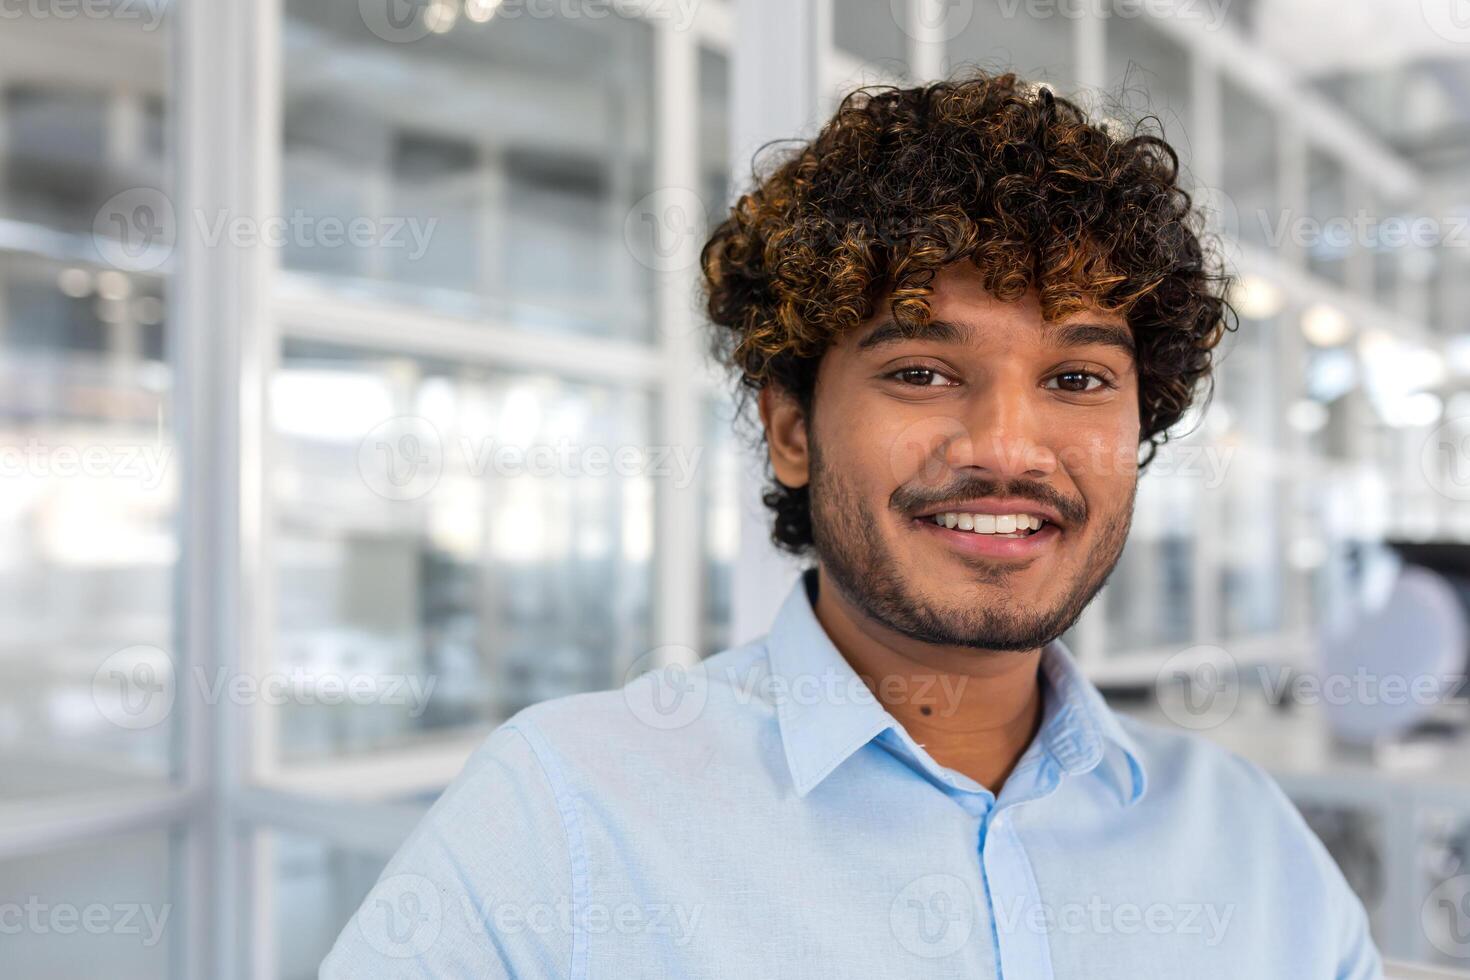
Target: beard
x=848 y=539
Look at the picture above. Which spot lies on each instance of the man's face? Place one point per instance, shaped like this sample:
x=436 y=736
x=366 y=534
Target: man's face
x=927 y=458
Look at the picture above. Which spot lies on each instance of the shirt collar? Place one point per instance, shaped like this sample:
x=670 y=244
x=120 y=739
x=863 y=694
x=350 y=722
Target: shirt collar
x=826 y=713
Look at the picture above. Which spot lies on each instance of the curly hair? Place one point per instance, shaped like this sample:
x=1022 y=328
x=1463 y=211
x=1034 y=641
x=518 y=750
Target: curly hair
x=985 y=168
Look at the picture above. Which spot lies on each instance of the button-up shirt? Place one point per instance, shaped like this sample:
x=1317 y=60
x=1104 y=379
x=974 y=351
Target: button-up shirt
x=762 y=815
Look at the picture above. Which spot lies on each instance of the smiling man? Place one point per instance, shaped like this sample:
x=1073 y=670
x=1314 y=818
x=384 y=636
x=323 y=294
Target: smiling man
x=967 y=314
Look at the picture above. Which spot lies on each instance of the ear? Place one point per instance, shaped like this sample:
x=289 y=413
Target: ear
x=786 y=436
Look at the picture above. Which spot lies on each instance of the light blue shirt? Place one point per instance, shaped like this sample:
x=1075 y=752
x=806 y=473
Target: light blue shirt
x=763 y=816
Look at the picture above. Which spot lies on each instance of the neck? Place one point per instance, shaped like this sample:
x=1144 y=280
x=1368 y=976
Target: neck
x=974 y=711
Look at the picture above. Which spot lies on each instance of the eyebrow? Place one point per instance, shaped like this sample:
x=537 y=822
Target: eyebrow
x=1092 y=334
x=889 y=332
x=949 y=332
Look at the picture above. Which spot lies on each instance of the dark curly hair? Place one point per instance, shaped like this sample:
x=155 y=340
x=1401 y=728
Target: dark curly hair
x=985 y=168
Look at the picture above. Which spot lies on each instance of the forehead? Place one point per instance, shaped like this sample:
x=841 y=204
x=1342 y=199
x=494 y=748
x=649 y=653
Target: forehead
x=962 y=311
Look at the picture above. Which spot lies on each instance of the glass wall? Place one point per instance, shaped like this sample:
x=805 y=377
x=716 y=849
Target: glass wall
x=112 y=902
x=487 y=545
x=490 y=165
x=90 y=464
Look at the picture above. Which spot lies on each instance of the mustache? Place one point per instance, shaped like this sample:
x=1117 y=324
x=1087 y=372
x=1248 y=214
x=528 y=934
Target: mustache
x=909 y=498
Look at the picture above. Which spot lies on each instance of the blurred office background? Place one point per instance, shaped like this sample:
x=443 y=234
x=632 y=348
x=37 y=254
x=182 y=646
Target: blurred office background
x=353 y=399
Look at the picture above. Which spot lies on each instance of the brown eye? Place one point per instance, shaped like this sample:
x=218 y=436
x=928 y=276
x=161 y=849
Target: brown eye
x=920 y=377
x=1078 y=381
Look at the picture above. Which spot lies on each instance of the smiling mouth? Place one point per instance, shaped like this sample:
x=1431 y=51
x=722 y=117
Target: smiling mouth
x=1018 y=525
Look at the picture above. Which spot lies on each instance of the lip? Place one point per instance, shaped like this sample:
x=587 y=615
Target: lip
x=993 y=505
x=993 y=545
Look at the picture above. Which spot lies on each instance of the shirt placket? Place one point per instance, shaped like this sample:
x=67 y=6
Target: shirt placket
x=1019 y=928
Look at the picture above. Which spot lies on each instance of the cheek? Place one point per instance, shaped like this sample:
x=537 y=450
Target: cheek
x=916 y=448
x=1102 y=459
x=855 y=446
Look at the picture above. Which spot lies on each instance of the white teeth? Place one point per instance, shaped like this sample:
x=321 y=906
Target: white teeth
x=1010 y=524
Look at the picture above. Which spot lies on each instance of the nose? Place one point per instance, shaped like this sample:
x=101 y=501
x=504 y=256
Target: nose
x=1007 y=433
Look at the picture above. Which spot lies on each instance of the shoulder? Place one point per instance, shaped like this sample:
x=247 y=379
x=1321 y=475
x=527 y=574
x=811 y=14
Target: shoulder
x=1227 y=800
x=1225 y=796
x=1188 y=769
x=669 y=715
